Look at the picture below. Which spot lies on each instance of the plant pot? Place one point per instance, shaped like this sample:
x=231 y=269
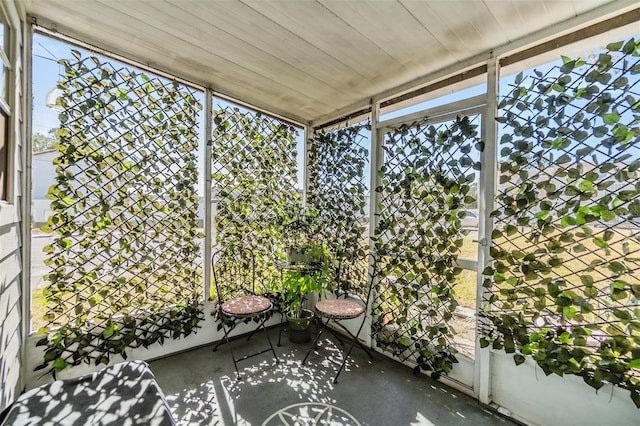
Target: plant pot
x=299 y=327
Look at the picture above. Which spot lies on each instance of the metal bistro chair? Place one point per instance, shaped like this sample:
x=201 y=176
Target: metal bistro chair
x=337 y=310
x=234 y=277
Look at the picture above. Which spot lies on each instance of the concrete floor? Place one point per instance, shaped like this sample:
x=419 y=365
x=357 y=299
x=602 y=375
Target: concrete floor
x=201 y=389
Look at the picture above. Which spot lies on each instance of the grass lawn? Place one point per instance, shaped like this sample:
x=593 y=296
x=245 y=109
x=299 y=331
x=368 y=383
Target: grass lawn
x=466 y=282
x=576 y=260
x=37 y=310
x=583 y=255
x=465 y=288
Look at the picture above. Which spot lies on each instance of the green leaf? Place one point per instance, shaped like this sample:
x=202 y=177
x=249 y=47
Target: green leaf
x=600 y=242
x=518 y=78
x=620 y=82
x=587 y=280
x=568 y=66
x=569 y=312
x=629 y=47
x=593 y=382
x=635 y=397
x=611 y=118
x=622 y=315
x=109 y=331
x=615 y=46
x=600 y=131
x=59 y=364
x=519 y=359
x=616 y=267
x=567 y=221
x=565 y=337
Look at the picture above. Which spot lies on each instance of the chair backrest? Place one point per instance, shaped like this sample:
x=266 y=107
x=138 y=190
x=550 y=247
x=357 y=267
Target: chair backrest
x=346 y=286
x=372 y=273
x=234 y=272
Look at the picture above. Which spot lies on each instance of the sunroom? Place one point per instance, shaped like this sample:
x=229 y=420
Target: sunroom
x=474 y=164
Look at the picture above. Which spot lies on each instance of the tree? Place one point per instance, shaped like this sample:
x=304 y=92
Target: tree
x=40 y=142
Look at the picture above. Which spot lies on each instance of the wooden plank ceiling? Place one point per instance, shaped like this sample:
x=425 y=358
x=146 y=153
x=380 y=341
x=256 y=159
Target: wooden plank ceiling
x=303 y=59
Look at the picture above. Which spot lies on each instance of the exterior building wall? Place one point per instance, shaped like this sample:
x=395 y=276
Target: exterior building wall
x=11 y=264
x=44 y=177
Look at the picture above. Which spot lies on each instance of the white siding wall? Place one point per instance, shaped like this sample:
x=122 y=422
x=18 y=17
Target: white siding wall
x=11 y=338
x=10 y=312
x=538 y=399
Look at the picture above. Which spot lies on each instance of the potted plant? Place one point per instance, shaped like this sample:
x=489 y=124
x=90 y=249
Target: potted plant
x=299 y=229
x=297 y=284
x=304 y=271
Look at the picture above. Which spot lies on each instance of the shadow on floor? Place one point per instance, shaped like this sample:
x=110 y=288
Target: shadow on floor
x=202 y=389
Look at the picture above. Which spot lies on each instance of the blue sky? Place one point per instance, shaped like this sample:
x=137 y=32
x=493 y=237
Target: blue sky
x=45 y=76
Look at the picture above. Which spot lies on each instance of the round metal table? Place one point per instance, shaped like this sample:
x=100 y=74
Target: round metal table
x=311 y=414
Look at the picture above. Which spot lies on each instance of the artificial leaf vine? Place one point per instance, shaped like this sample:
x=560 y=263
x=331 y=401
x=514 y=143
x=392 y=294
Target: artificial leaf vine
x=567 y=232
x=337 y=189
x=426 y=185
x=254 y=175
x=125 y=265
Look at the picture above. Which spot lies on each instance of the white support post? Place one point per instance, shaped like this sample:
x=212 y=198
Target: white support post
x=487 y=190
x=208 y=99
x=26 y=78
x=305 y=174
x=377 y=160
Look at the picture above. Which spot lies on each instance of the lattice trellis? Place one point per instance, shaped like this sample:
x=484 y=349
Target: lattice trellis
x=254 y=174
x=338 y=190
x=125 y=267
x=426 y=183
x=567 y=230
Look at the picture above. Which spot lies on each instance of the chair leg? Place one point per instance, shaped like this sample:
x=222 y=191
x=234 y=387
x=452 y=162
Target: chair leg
x=347 y=352
x=222 y=341
x=269 y=340
x=315 y=342
x=345 y=356
x=233 y=357
x=232 y=326
x=280 y=332
x=355 y=338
